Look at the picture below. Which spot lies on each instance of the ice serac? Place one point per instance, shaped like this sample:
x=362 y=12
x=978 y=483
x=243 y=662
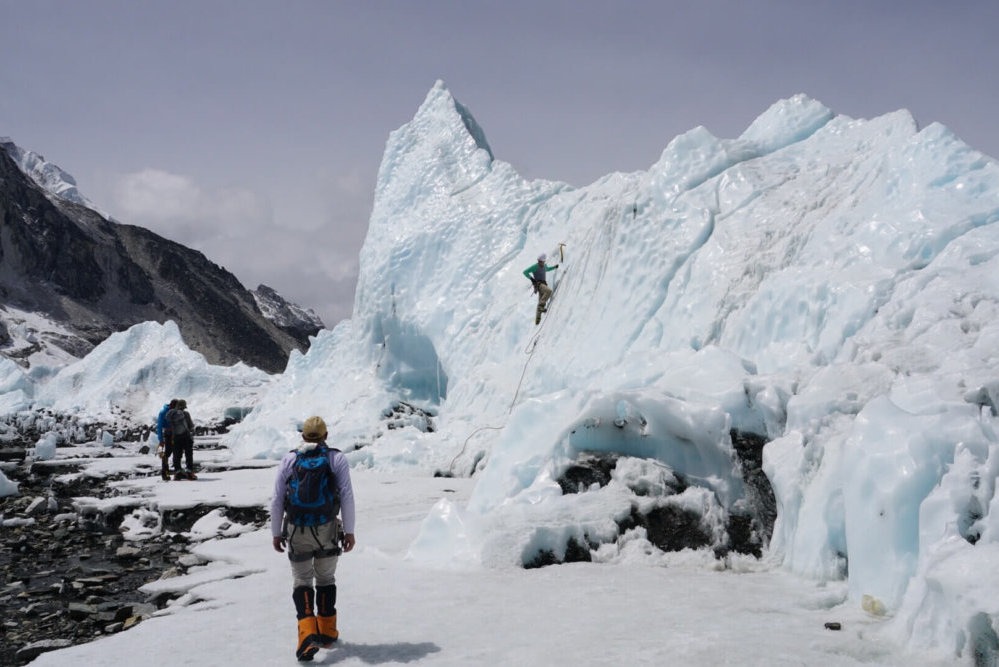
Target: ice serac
x=787 y=122
x=697 y=155
x=436 y=244
x=120 y=370
x=828 y=284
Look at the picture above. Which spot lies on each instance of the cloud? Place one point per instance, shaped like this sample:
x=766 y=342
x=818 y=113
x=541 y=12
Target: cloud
x=309 y=256
x=156 y=194
x=176 y=207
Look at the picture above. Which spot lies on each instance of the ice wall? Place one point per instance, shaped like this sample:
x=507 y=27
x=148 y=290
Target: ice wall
x=824 y=281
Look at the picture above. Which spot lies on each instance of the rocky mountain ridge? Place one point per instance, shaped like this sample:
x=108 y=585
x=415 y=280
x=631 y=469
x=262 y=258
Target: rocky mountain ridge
x=71 y=267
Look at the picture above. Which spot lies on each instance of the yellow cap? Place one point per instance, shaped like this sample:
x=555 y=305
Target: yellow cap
x=314 y=429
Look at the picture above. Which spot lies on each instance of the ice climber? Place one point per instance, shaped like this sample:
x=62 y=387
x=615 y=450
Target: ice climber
x=537 y=274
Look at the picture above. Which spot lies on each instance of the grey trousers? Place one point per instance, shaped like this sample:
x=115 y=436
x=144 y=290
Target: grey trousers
x=544 y=293
x=314 y=553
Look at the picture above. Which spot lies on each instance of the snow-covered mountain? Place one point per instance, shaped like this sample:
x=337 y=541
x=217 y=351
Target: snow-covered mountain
x=287 y=315
x=822 y=283
x=50 y=177
x=70 y=277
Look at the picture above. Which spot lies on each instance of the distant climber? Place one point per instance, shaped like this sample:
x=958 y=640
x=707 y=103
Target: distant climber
x=183 y=439
x=164 y=432
x=537 y=274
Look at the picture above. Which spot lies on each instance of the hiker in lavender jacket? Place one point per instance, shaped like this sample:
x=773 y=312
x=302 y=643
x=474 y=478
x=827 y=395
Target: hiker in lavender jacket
x=314 y=539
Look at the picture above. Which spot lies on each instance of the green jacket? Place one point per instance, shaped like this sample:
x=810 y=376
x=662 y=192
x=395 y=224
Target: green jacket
x=537 y=272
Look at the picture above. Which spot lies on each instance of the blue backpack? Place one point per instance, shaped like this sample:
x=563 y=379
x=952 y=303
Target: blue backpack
x=311 y=498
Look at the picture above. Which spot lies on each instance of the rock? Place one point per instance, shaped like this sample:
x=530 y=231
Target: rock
x=160 y=599
x=12 y=454
x=123 y=614
x=144 y=609
x=127 y=552
x=106 y=617
x=98 y=580
x=67 y=575
x=36 y=506
x=33 y=650
x=671 y=525
x=79 y=611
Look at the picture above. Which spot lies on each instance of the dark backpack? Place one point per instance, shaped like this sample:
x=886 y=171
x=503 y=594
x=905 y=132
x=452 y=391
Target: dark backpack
x=178 y=421
x=311 y=498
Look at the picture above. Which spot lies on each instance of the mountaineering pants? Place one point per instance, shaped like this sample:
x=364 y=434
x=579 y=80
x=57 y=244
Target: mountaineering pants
x=167 y=452
x=183 y=446
x=544 y=293
x=314 y=552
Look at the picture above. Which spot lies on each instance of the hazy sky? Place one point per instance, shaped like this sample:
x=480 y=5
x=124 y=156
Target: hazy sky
x=253 y=130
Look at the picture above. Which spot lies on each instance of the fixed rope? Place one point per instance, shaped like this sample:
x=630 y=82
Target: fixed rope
x=457 y=456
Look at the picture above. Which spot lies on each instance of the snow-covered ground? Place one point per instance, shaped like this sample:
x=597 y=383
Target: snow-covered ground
x=643 y=610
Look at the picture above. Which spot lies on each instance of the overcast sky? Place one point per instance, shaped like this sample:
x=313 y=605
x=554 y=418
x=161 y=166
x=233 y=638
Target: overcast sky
x=253 y=130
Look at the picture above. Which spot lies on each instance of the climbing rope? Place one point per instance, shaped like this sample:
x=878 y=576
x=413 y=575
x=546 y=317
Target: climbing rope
x=457 y=456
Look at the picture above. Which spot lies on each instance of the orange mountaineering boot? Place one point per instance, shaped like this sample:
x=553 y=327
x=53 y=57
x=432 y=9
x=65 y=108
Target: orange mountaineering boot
x=308 y=639
x=327 y=630
x=326 y=614
x=308 y=630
